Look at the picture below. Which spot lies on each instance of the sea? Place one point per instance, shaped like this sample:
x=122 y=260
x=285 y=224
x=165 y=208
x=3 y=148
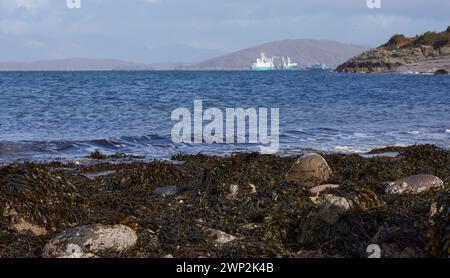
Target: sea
x=48 y=116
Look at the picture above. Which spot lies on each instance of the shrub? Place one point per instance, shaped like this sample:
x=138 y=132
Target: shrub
x=429 y=38
x=442 y=41
x=396 y=39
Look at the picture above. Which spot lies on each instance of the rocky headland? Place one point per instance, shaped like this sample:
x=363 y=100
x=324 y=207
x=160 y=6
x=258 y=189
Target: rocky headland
x=427 y=53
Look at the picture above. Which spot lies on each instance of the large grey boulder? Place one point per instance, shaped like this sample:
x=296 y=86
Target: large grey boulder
x=414 y=184
x=90 y=242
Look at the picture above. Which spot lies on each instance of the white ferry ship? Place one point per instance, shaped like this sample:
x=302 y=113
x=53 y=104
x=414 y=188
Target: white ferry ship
x=319 y=67
x=264 y=63
x=288 y=64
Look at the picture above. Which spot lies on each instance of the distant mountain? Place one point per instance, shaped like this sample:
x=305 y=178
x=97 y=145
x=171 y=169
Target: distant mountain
x=304 y=52
x=180 y=54
x=73 y=64
x=23 y=48
x=180 y=57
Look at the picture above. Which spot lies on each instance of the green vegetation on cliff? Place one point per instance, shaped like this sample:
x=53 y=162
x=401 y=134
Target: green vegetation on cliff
x=434 y=39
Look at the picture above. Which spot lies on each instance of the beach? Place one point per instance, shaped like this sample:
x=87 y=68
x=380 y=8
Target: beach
x=241 y=205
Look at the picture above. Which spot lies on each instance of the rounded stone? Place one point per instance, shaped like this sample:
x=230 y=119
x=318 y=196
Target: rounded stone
x=166 y=191
x=441 y=72
x=90 y=241
x=309 y=170
x=218 y=237
x=414 y=184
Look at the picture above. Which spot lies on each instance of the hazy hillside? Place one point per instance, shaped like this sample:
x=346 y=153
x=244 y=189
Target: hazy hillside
x=304 y=52
x=179 y=54
x=73 y=64
x=41 y=48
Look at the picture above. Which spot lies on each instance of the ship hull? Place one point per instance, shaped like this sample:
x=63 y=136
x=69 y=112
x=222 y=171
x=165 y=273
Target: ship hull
x=290 y=68
x=262 y=68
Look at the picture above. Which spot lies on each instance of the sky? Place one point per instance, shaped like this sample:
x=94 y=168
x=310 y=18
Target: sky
x=157 y=31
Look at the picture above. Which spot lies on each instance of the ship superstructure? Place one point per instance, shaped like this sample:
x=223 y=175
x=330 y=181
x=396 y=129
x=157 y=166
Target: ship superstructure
x=288 y=64
x=264 y=63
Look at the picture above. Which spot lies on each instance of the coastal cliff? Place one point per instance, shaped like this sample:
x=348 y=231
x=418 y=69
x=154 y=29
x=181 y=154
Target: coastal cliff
x=429 y=52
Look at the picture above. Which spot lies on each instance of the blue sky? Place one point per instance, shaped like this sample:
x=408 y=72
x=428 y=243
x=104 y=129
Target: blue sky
x=140 y=30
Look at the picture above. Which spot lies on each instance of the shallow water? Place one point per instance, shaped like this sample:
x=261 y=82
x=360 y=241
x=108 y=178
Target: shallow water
x=48 y=115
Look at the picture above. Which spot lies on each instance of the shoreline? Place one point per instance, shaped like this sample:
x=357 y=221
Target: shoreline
x=101 y=155
x=240 y=205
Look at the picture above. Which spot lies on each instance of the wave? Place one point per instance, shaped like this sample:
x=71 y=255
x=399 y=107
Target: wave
x=350 y=149
x=158 y=146
x=64 y=148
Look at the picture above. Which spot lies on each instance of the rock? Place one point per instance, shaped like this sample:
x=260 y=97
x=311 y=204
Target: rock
x=374 y=251
x=445 y=50
x=319 y=189
x=309 y=170
x=414 y=184
x=383 y=59
x=362 y=198
x=166 y=191
x=441 y=72
x=328 y=200
x=24 y=226
x=219 y=237
x=21 y=225
x=234 y=190
x=331 y=207
x=90 y=241
x=332 y=201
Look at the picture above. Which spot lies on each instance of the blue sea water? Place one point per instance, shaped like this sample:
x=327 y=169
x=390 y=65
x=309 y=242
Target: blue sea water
x=48 y=115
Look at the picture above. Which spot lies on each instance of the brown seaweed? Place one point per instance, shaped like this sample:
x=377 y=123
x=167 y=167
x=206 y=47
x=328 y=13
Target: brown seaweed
x=245 y=195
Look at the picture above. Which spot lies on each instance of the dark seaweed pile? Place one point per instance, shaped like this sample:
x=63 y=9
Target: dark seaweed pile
x=440 y=243
x=278 y=220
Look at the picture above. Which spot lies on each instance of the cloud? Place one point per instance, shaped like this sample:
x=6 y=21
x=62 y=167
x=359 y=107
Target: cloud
x=29 y=4
x=210 y=24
